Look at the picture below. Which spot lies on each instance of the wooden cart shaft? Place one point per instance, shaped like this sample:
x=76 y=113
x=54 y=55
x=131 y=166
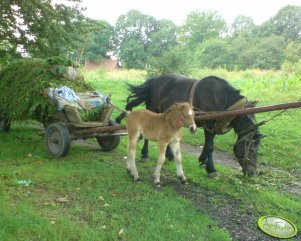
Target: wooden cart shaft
x=222 y=114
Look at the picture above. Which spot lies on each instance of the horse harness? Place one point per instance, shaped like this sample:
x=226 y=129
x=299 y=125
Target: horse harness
x=221 y=126
x=180 y=119
x=247 y=135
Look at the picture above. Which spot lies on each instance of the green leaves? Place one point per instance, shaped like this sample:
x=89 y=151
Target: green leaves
x=23 y=82
x=39 y=28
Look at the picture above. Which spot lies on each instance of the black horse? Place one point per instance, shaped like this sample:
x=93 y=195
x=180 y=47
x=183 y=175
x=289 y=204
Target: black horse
x=209 y=94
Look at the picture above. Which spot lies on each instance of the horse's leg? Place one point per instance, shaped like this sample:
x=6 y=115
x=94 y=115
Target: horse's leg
x=130 y=162
x=169 y=153
x=161 y=158
x=175 y=147
x=144 y=151
x=205 y=158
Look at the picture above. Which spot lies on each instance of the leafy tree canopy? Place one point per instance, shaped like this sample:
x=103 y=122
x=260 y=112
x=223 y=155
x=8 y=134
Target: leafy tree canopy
x=99 y=41
x=200 y=26
x=40 y=28
x=288 y=23
x=243 y=25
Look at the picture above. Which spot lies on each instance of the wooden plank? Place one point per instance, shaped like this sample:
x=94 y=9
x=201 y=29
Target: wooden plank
x=98 y=129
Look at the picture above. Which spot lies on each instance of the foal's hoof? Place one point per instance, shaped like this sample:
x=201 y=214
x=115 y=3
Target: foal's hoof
x=213 y=174
x=157 y=184
x=129 y=172
x=145 y=159
x=183 y=181
x=137 y=180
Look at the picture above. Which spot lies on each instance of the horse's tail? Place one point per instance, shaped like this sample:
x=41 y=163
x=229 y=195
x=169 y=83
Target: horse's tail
x=138 y=95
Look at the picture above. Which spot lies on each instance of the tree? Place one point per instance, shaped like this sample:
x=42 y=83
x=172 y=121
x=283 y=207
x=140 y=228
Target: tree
x=40 y=28
x=132 y=33
x=292 y=52
x=214 y=54
x=200 y=26
x=285 y=23
x=176 y=60
x=163 y=39
x=243 y=25
x=269 y=53
x=100 y=41
x=133 y=53
x=240 y=52
x=288 y=23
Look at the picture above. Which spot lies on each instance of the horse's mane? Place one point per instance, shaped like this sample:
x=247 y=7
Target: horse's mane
x=233 y=94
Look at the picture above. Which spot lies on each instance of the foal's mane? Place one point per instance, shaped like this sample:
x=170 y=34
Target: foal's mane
x=169 y=109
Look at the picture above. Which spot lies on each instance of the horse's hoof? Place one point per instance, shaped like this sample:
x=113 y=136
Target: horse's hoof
x=203 y=165
x=213 y=174
x=145 y=159
x=157 y=184
x=137 y=180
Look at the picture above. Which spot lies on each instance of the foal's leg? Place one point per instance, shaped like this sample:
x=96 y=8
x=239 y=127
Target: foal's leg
x=161 y=158
x=175 y=148
x=205 y=158
x=130 y=162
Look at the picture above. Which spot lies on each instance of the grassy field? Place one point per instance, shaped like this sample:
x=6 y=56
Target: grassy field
x=89 y=196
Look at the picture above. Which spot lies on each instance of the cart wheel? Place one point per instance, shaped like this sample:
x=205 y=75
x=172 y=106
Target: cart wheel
x=57 y=139
x=108 y=143
x=4 y=123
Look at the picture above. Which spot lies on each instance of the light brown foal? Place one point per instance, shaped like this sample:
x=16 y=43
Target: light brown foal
x=166 y=129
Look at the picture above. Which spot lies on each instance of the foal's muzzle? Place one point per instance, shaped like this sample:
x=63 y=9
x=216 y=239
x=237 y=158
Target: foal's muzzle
x=192 y=128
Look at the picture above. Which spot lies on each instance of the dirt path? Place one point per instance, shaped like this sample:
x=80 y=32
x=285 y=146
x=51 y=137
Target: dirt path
x=242 y=225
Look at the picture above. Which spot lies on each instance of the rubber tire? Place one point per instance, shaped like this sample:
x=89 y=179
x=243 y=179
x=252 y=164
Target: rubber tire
x=109 y=143
x=58 y=140
x=4 y=124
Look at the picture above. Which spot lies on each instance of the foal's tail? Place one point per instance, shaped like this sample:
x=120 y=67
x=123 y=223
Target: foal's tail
x=138 y=95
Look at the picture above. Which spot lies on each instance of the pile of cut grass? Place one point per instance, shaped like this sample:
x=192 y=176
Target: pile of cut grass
x=22 y=84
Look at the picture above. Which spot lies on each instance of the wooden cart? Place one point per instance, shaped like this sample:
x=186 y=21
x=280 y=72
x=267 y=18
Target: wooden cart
x=65 y=125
